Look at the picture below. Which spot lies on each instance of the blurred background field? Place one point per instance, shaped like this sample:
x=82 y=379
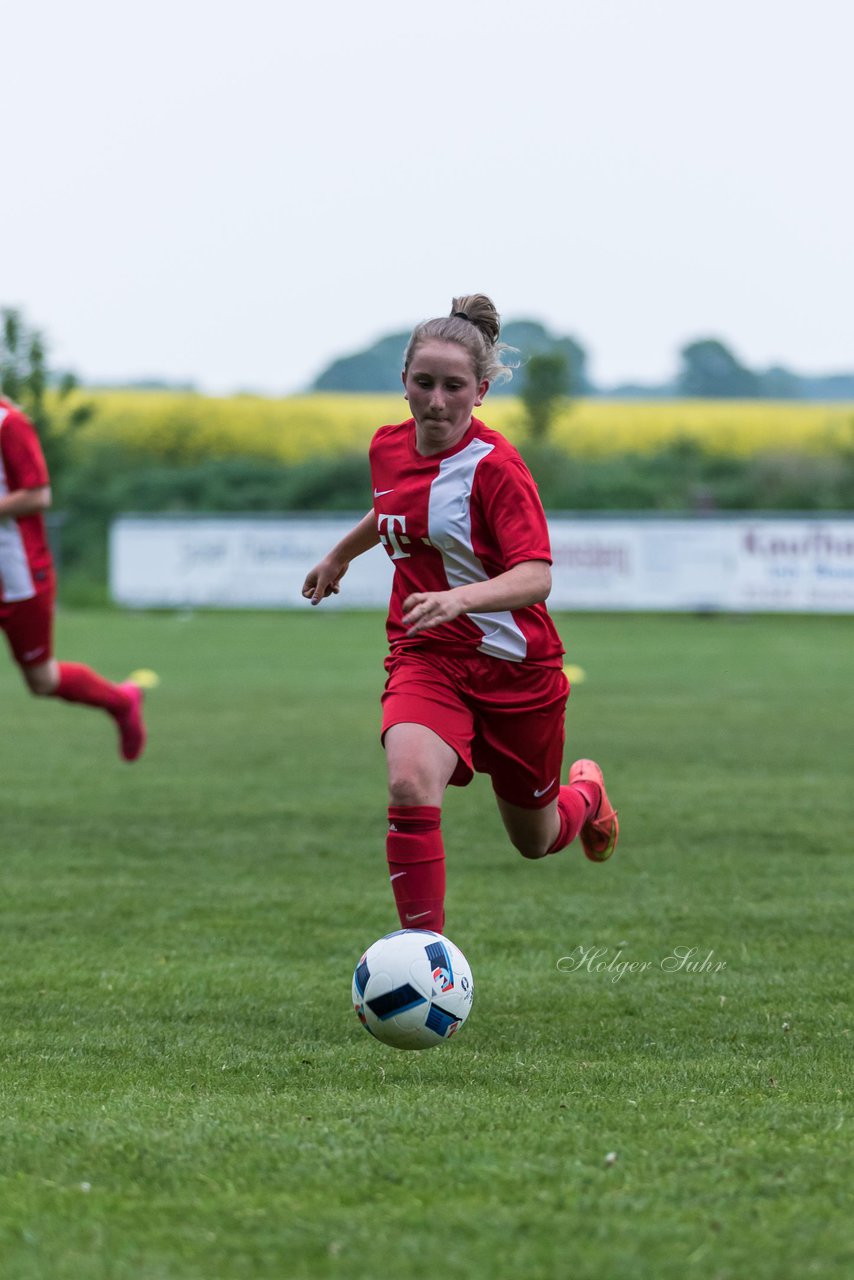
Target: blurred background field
x=718 y=437
x=182 y=452
x=187 y=427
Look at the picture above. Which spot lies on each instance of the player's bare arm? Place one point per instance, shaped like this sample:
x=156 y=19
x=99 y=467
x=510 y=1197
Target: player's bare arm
x=325 y=578
x=25 y=502
x=525 y=584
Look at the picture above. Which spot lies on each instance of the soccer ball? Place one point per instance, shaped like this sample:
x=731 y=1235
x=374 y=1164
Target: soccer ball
x=412 y=989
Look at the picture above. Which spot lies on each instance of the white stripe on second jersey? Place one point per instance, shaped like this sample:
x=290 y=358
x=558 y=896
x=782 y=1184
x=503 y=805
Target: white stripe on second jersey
x=16 y=581
x=449 y=530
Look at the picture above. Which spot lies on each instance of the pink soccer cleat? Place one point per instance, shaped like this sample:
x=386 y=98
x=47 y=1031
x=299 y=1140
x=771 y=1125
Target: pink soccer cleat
x=599 y=834
x=131 y=725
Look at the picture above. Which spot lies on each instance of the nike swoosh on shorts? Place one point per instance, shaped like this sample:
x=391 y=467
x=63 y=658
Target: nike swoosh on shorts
x=537 y=794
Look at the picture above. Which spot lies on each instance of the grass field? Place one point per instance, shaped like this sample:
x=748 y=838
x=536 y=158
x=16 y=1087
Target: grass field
x=186 y=1092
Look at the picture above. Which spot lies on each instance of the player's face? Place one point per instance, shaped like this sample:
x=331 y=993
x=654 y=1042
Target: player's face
x=442 y=389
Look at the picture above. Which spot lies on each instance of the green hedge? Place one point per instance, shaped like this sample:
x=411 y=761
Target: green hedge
x=684 y=477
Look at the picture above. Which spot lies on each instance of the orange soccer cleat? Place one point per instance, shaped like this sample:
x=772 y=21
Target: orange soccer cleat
x=599 y=834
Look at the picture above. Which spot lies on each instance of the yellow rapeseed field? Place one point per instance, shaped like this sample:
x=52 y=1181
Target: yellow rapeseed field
x=188 y=427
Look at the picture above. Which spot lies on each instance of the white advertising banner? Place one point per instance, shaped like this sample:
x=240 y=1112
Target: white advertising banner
x=738 y=565
x=748 y=563
x=238 y=563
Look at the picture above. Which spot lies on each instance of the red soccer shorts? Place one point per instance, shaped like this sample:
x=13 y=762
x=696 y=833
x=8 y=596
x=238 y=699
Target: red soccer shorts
x=502 y=718
x=29 y=627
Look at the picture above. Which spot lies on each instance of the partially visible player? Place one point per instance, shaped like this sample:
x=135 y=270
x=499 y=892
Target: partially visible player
x=27 y=588
x=475 y=672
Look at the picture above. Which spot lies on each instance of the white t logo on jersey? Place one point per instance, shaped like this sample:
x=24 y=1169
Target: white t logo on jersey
x=393 y=535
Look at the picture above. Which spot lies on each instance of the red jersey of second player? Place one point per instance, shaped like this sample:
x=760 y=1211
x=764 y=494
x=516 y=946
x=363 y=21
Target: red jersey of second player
x=458 y=517
x=25 y=560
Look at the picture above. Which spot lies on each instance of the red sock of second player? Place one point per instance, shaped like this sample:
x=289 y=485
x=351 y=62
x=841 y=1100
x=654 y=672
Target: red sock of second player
x=78 y=683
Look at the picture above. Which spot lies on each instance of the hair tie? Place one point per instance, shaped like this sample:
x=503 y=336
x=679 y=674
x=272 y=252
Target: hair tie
x=461 y=314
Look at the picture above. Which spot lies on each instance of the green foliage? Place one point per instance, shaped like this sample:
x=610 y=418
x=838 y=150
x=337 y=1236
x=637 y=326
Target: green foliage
x=186 y=1091
x=710 y=370
x=22 y=364
x=684 y=477
x=545 y=386
x=377 y=368
x=109 y=479
x=532 y=339
x=25 y=378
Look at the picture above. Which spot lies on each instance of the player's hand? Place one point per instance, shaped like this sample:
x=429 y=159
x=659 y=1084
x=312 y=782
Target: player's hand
x=425 y=609
x=323 y=580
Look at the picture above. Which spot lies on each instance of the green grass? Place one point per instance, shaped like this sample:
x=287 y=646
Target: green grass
x=185 y=1091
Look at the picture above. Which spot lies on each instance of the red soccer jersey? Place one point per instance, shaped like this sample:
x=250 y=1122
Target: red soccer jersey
x=25 y=560
x=461 y=516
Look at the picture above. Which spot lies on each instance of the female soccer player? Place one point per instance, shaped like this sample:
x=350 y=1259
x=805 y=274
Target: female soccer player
x=475 y=669
x=27 y=588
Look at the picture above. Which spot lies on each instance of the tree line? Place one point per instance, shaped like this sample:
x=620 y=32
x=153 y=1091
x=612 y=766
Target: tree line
x=708 y=368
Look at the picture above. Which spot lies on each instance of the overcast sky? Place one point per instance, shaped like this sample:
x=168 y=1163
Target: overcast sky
x=234 y=193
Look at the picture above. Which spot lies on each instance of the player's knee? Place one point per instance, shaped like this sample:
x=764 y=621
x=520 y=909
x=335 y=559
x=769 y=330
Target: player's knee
x=406 y=791
x=410 y=787
x=529 y=846
x=39 y=681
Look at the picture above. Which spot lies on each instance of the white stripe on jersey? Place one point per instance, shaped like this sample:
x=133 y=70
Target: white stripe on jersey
x=449 y=530
x=16 y=581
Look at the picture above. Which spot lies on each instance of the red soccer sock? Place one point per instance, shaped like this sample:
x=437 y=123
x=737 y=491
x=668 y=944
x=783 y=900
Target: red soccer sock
x=573 y=806
x=416 y=863
x=81 y=684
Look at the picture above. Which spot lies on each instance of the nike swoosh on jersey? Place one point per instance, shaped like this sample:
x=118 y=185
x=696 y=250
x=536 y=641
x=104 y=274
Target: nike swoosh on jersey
x=378 y=493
